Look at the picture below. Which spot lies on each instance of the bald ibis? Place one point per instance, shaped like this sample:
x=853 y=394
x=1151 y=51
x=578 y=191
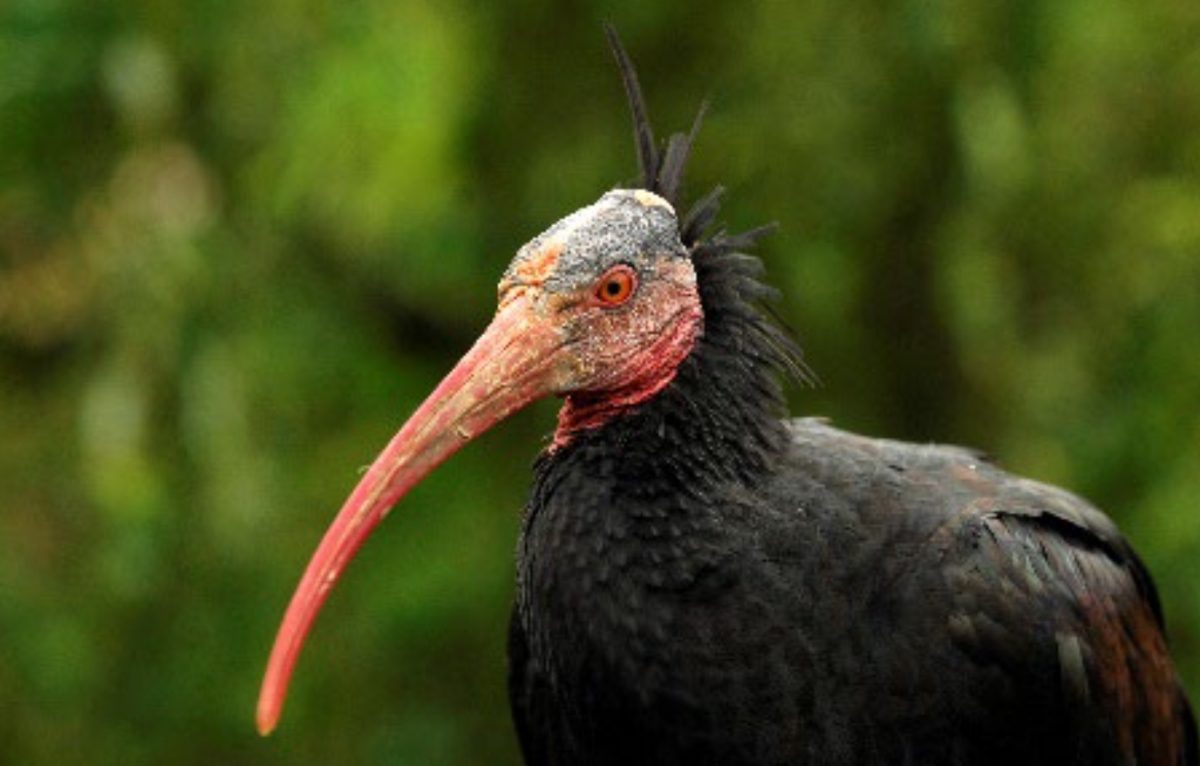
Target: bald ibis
x=701 y=582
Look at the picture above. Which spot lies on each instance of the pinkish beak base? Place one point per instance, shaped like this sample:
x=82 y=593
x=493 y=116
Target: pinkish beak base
x=512 y=364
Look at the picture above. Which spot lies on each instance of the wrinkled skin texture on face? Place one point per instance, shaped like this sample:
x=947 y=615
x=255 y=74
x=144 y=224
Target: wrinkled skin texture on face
x=624 y=356
x=612 y=357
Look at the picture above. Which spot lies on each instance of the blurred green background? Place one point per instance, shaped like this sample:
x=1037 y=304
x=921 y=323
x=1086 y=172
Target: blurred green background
x=240 y=241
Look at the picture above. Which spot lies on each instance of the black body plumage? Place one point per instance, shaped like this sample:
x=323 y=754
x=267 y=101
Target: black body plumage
x=701 y=582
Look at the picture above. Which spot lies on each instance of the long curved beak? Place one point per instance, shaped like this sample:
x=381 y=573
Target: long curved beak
x=512 y=364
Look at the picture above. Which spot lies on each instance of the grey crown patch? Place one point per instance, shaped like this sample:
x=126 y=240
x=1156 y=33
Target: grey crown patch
x=623 y=226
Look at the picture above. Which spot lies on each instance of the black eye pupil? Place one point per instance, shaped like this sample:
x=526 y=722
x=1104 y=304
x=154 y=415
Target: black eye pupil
x=613 y=288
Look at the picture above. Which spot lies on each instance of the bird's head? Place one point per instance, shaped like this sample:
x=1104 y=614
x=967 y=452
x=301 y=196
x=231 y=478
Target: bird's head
x=600 y=309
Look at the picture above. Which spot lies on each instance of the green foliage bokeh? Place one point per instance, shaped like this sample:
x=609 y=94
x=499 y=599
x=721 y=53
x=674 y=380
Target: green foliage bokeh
x=240 y=241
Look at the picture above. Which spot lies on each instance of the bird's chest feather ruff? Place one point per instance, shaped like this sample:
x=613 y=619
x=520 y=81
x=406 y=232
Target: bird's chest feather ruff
x=607 y=582
x=632 y=609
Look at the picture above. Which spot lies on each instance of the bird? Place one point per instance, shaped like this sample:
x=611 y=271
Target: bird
x=703 y=580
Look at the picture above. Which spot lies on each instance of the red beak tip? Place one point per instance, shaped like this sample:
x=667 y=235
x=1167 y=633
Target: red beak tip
x=266 y=721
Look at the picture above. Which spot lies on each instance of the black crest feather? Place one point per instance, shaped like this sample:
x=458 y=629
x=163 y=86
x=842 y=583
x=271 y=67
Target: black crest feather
x=643 y=133
x=719 y=255
x=662 y=172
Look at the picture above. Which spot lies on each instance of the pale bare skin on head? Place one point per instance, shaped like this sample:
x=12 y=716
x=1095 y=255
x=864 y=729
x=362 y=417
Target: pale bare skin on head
x=619 y=355
x=532 y=271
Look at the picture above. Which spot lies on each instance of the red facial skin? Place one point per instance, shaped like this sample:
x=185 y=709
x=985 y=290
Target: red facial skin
x=604 y=353
x=637 y=351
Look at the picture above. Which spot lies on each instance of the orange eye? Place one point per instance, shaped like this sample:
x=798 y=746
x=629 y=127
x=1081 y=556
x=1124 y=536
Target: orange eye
x=615 y=287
